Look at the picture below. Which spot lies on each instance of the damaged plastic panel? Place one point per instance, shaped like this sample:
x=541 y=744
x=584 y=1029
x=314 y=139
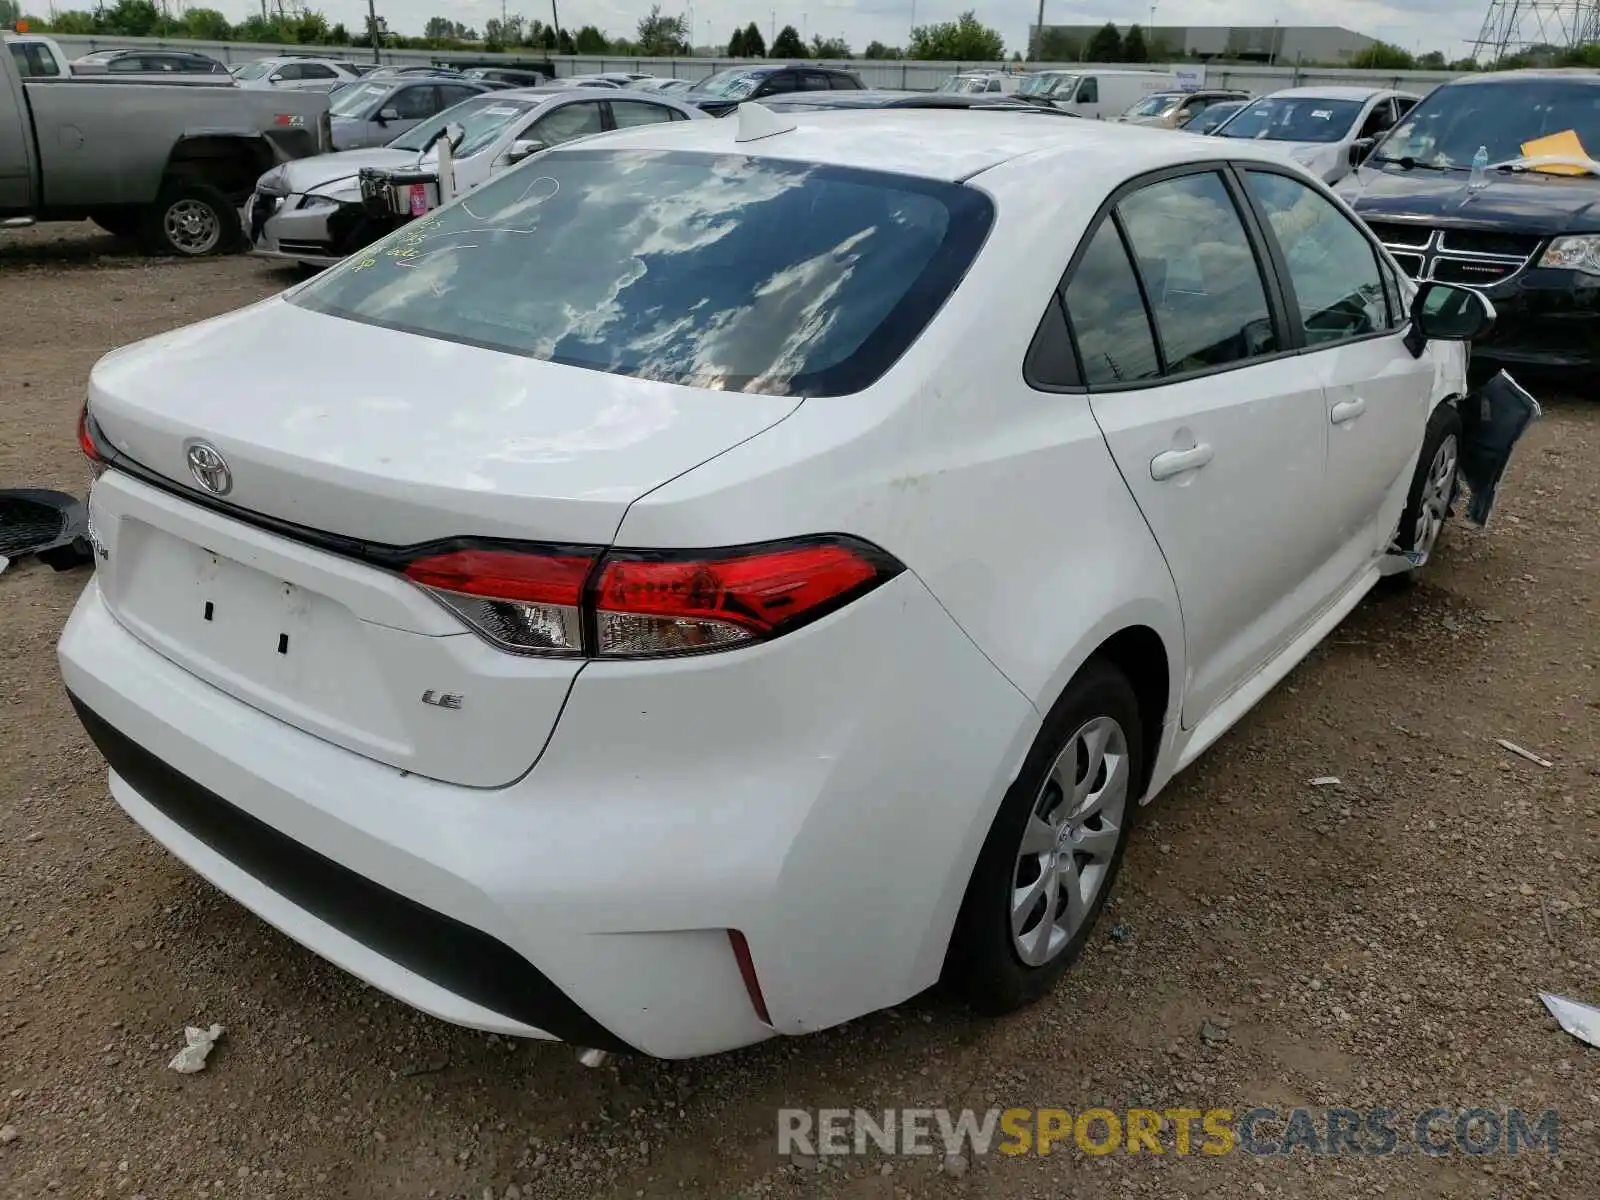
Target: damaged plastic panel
x=52 y=525
x=1493 y=419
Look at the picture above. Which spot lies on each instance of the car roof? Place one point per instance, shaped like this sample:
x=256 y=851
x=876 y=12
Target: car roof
x=1330 y=93
x=1575 y=74
x=931 y=143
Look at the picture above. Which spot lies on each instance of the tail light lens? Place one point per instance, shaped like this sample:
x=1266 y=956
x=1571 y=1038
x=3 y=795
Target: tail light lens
x=86 y=436
x=529 y=602
x=647 y=604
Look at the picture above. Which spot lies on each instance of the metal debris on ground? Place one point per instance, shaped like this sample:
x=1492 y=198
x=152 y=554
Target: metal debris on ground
x=1521 y=753
x=1212 y=1033
x=1582 y=1021
x=1325 y=781
x=193 y=1056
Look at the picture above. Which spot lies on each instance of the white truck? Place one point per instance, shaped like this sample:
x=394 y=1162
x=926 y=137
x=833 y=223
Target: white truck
x=169 y=164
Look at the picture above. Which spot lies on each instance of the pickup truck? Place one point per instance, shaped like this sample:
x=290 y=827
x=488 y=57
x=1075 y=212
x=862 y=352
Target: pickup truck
x=169 y=164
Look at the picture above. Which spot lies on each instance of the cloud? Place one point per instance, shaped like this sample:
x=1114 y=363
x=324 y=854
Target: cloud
x=1446 y=25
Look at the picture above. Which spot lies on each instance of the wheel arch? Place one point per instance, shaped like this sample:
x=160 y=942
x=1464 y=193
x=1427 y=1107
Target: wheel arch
x=229 y=162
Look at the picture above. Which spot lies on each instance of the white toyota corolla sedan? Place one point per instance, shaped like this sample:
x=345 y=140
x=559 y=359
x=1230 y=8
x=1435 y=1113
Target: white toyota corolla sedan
x=717 y=579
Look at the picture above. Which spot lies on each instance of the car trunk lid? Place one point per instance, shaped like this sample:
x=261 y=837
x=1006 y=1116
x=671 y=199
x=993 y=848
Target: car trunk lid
x=341 y=437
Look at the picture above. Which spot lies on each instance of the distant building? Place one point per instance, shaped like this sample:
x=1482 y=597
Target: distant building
x=1286 y=44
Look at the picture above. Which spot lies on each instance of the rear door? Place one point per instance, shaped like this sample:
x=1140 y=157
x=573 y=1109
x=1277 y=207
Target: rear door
x=413 y=104
x=1215 y=423
x=1377 y=396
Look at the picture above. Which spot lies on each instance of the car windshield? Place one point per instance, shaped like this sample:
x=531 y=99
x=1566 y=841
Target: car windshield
x=354 y=101
x=1447 y=128
x=734 y=84
x=714 y=271
x=963 y=84
x=1215 y=115
x=484 y=118
x=1294 y=119
x=253 y=70
x=1046 y=84
x=1153 y=106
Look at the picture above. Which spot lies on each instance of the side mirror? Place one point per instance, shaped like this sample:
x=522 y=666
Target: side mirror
x=1360 y=148
x=277 y=78
x=524 y=148
x=385 y=115
x=1443 y=312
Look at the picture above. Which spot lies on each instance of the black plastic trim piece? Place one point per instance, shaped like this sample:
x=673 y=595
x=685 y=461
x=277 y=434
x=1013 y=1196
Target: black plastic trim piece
x=454 y=955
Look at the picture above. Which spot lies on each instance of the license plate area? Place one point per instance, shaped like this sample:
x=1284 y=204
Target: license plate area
x=277 y=645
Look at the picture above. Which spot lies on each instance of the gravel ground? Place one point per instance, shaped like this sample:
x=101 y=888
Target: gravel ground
x=1378 y=942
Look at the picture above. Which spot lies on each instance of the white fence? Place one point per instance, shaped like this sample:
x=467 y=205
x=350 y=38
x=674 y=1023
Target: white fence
x=912 y=76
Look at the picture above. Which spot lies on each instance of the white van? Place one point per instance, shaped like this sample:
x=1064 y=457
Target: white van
x=1095 y=93
x=969 y=83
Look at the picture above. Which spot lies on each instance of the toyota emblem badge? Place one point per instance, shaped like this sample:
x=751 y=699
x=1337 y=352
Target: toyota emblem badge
x=210 y=469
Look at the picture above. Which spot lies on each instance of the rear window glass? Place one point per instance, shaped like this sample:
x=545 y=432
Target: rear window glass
x=716 y=271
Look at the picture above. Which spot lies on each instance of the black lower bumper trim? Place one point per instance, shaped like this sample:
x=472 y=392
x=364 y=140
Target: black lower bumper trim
x=441 y=949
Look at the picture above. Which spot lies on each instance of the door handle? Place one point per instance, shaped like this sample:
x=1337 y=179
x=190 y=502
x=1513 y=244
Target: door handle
x=1346 y=411
x=1175 y=462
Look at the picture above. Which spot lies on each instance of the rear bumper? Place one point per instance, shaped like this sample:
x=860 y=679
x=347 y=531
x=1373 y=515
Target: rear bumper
x=826 y=798
x=1545 y=319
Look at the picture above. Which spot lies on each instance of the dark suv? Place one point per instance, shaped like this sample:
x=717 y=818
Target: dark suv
x=726 y=90
x=1524 y=231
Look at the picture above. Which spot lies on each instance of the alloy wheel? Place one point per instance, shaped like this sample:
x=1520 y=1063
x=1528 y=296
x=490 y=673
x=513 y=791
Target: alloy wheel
x=1070 y=841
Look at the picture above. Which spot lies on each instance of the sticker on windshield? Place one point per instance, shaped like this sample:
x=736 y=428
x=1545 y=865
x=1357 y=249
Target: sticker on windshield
x=501 y=110
x=1322 y=114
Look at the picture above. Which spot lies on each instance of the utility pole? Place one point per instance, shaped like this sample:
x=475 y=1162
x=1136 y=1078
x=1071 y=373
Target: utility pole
x=372 y=29
x=1038 y=36
x=555 y=19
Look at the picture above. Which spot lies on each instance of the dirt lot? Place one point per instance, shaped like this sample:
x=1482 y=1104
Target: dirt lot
x=1374 y=943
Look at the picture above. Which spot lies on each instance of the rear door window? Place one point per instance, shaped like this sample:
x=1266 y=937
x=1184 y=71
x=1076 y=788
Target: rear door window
x=1205 y=287
x=1108 y=316
x=416 y=103
x=567 y=122
x=628 y=113
x=714 y=271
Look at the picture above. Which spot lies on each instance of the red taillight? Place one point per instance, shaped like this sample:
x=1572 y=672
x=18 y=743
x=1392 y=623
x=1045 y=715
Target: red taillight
x=670 y=605
x=530 y=602
x=86 y=441
x=647 y=603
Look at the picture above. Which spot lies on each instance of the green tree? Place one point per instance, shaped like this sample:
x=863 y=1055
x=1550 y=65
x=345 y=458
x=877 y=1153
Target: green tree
x=662 y=37
x=340 y=36
x=1382 y=56
x=1106 y=45
x=755 y=46
x=1133 y=47
x=130 y=18
x=965 y=38
x=1057 y=45
x=591 y=41
x=879 y=50
x=10 y=13
x=1433 y=60
x=736 y=45
x=565 y=43
x=788 y=44
x=207 y=25
x=822 y=47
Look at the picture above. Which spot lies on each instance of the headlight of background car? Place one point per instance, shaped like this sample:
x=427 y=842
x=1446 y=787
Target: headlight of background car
x=1579 y=253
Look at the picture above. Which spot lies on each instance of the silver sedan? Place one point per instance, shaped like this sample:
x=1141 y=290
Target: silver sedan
x=309 y=211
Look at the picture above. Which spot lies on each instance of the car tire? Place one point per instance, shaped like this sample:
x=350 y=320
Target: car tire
x=191 y=220
x=119 y=222
x=1433 y=490
x=1002 y=956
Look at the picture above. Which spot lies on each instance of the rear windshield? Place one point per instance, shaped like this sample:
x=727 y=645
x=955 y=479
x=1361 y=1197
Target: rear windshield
x=253 y=70
x=354 y=101
x=714 y=271
x=1154 y=106
x=733 y=84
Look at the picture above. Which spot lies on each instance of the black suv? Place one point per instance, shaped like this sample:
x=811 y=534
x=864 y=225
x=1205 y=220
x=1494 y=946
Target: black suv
x=724 y=91
x=1525 y=231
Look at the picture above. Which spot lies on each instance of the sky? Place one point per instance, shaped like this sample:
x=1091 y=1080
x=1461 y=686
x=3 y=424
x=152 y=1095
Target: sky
x=1446 y=25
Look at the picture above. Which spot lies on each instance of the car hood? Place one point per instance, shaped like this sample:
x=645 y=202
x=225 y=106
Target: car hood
x=1542 y=204
x=304 y=175
x=396 y=438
